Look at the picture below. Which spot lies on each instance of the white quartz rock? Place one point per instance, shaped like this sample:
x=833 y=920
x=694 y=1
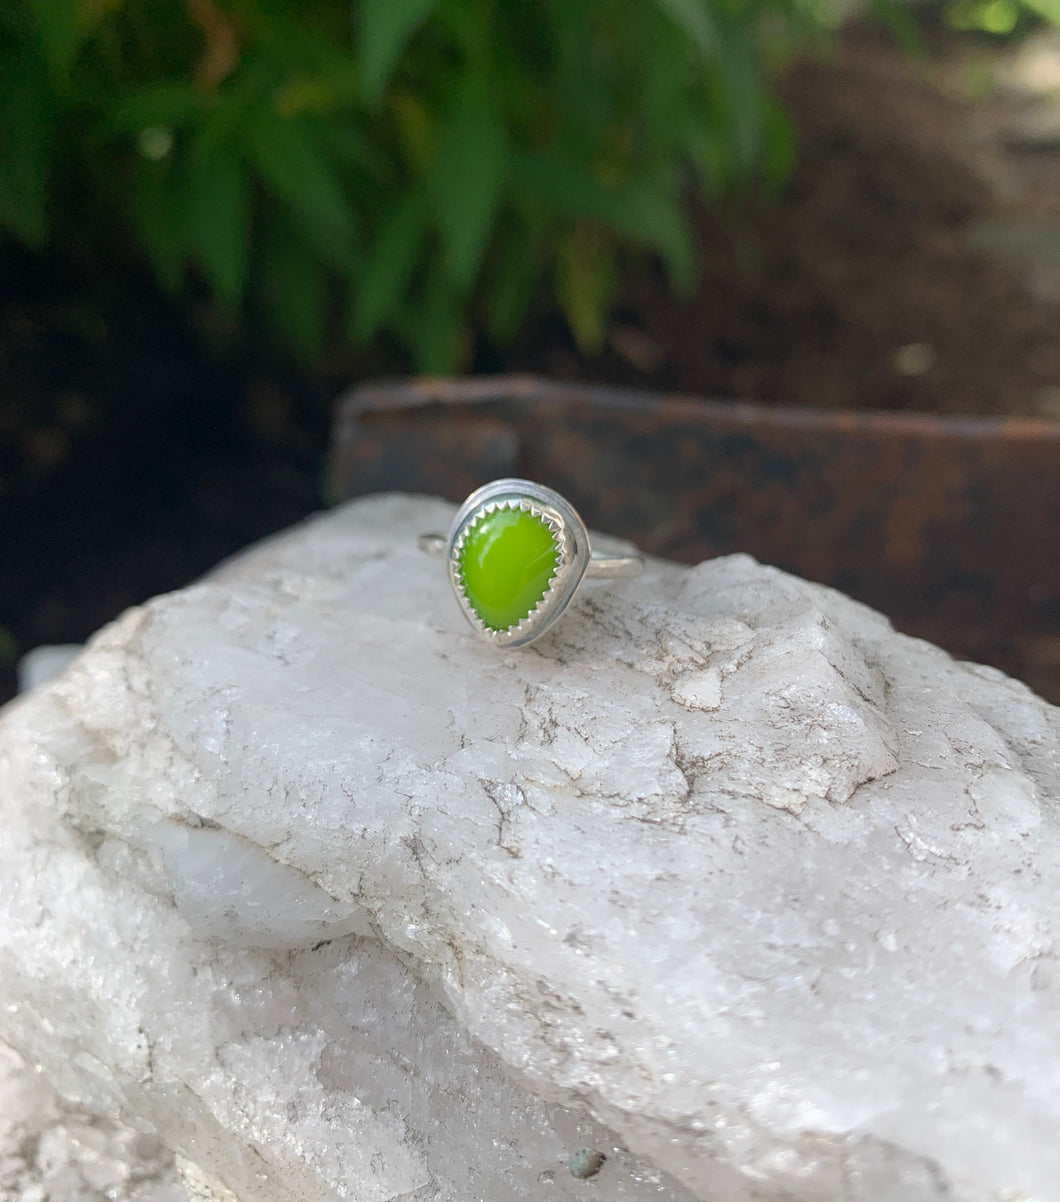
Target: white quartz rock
x=229 y=888
x=45 y=663
x=50 y=1152
x=723 y=879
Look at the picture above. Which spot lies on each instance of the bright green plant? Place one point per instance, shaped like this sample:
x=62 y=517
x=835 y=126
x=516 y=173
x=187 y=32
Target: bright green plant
x=1001 y=17
x=423 y=168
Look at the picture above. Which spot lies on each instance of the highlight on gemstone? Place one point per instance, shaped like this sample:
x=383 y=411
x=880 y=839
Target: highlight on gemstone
x=507 y=560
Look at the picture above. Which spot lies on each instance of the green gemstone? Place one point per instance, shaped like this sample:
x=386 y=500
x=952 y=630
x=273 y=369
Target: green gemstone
x=506 y=564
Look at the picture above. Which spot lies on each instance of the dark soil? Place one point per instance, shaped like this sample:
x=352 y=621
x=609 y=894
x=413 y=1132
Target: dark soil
x=859 y=289
x=132 y=457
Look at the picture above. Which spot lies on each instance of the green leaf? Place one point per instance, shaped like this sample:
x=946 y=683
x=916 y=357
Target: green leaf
x=27 y=121
x=516 y=269
x=708 y=152
x=168 y=103
x=653 y=214
x=385 y=27
x=780 y=146
x=566 y=187
x=346 y=141
x=646 y=212
x=160 y=216
x=61 y=28
x=296 y=168
x=467 y=183
x=586 y=280
x=897 y=17
x=381 y=285
x=1049 y=9
x=744 y=102
x=436 y=329
x=233 y=110
x=219 y=216
x=416 y=128
x=999 y=17
x=695 y=19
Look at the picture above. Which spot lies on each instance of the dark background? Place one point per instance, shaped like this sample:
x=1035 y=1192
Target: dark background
x=906 y=266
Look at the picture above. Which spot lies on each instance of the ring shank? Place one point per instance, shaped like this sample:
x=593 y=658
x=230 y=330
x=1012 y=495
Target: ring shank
x=604 y=566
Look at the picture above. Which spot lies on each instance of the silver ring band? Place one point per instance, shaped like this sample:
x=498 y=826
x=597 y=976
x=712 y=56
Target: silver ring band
x=517 y=553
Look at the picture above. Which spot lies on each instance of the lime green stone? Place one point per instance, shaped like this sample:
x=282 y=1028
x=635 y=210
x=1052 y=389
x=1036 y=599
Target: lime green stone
x=506 y=563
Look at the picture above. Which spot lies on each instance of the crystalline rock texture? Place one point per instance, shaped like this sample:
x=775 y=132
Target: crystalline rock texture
x=723 y=880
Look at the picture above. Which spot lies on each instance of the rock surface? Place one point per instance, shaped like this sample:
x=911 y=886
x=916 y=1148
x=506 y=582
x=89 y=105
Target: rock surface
x=45 y=663
x=51 y=1152
x=723 y=879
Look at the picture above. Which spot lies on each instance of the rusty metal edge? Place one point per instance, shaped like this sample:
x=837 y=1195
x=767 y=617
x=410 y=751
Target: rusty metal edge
x=384 y=396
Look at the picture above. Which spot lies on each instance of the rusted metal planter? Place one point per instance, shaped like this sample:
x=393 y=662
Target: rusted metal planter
x=951 y=526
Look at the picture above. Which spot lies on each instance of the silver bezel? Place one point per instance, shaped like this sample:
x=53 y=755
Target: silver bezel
x=572 y=543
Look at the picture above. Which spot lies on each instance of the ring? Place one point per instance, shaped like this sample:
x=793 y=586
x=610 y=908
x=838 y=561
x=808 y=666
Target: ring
x=517 y=553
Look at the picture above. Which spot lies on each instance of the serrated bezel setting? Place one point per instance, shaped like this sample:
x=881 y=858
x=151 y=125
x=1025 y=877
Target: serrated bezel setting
x=572 y=554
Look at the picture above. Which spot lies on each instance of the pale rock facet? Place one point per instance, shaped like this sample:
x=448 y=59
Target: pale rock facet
x=45 y=663
x=723 y=880
x=52 y=1152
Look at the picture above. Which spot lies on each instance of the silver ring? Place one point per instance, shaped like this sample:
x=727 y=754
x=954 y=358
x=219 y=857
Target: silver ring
x=517 y=554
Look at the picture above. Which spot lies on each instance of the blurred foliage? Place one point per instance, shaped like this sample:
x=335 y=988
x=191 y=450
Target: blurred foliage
x=986 y=16
x=422 y=168
x=1001 y=17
